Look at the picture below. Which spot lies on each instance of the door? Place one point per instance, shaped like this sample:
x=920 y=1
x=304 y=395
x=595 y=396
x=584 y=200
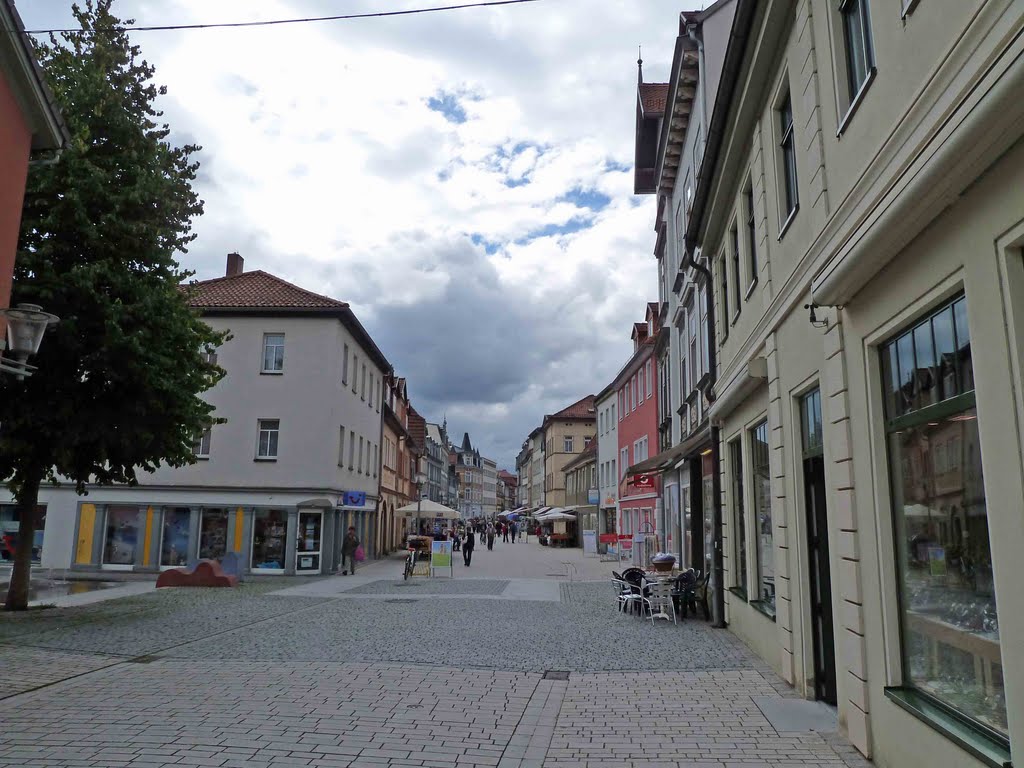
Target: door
x=819 y=573
x=309 y=541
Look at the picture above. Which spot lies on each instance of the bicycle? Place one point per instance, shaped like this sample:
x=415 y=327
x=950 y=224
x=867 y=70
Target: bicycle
x=410 y=563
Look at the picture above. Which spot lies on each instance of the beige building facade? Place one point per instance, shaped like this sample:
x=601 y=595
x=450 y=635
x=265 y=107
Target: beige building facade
x=566 y=434
x=862 y=213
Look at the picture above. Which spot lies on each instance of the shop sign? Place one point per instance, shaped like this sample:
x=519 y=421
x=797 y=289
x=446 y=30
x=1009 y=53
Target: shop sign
x=441 y=556
x=593 y=495
x=353 y=498
x=643 y=482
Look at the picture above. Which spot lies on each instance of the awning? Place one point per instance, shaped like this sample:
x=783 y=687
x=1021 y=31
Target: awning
x=427 y=509
x=669 y=458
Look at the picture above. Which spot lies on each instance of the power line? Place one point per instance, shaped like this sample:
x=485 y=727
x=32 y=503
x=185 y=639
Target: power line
x=275 y=22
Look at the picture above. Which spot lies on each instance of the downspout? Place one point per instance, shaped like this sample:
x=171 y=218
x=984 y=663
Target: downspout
x=691 y=31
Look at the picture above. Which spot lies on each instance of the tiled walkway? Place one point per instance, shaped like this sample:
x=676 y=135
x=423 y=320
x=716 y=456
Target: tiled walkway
x=335 y=673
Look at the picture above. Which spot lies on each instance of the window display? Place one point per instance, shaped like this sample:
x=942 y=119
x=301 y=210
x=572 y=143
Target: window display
x=951 y=645
x=269 y=533
x=9 y=523
x=122 y=535
x=174 y=544
x=739 y=517
x=213 y=534
x=763 y=510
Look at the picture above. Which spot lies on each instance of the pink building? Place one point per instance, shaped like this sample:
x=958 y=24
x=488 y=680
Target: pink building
x=638 y=432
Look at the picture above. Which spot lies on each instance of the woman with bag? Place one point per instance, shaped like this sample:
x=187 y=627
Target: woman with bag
x=351 y=551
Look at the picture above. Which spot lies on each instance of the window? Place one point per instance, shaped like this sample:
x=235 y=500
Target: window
x=360 y=467
x=355 y=372
x=612 y=475
x=567 y=444
x=633 y=402
x=273 y=353
x=723 y=269
x=737 y=291
x=269 y=430
x=351 y=449
x=613 y=416
x=787 y=146
x=586 y=442
x=344 y=366
x=857 y=37
x=201 y=445
x=950 y=639
x=705 y=361
x=649 y=382
x=748 y=196
x=739 y=518
x=269 y=535
x=341 y=446
x=369 y=401
x=640 y=386
x=763 y=512
x=624 y=460
x=363 y=390
x=684 y=346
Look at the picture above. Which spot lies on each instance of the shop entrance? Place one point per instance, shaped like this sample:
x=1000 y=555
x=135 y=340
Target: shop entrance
x=819 y=571
x=308 y=549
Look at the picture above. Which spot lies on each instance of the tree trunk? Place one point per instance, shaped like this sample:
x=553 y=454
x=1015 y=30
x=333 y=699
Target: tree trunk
x=27 y=499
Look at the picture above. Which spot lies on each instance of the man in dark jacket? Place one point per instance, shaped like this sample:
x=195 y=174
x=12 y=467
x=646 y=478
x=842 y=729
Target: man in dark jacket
x=467 y=546
x=348 y=552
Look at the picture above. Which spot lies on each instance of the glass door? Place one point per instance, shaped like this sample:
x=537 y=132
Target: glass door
x=819 y=570
x=308 y=544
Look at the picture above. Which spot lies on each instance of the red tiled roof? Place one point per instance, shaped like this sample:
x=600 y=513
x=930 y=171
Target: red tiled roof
x=417 y=427
x=581 y=409
x=256 y=290
x=653 y=97
x=653 y=309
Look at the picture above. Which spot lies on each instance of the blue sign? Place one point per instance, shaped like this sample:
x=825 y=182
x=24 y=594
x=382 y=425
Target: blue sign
x=354 y=498
x=593 y=496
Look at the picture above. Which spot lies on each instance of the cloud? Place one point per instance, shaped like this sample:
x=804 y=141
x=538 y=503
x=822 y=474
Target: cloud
x=462 y=178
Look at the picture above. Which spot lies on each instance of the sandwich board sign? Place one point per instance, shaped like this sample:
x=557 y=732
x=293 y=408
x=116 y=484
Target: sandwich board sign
x=441 y=557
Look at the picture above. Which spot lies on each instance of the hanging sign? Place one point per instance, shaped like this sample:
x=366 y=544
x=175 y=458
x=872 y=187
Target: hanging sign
x=353 y=498
x=643 y=482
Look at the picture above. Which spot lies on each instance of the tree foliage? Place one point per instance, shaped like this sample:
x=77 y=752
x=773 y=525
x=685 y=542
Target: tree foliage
x=120 y=375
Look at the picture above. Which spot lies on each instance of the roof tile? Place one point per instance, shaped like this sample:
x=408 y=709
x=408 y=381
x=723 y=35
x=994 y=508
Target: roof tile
x=653 y=97
x=256 y=290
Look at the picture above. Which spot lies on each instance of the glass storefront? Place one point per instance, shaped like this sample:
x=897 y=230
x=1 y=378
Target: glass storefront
x=9 y=523
x=739 y=517
x=121 y=536
x=174 y=542
x=307 y=556
x=213 y=534
x=269 y=537
x=950 y=625
x=763 y=511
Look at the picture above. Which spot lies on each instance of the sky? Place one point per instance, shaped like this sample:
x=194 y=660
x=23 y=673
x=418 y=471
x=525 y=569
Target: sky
x=463 y=179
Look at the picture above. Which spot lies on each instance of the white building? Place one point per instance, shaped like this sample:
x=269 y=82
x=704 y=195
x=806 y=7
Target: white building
x=293 y=465
x=489 y=468
x=607 y=459
x=861 y=207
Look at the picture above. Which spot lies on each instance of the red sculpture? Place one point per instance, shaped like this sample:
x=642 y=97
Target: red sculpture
x=205 y=573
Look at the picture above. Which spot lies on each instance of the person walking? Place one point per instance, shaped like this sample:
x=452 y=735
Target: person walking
x=490 y=536
x=515 y=532
x=348 y=551
x=467 y=547
x=504 y=532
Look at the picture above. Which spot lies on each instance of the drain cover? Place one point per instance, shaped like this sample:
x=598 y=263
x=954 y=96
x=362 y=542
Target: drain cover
x=556 y=674
x=401 y=600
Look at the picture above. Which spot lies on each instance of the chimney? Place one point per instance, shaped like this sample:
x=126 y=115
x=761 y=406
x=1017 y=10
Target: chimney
x=236 y=265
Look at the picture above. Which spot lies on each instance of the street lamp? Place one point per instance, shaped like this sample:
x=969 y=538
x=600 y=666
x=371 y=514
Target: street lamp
x=420 y=481
x=26 y=325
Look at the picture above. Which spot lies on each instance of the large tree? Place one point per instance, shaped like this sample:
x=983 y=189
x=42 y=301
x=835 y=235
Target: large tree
x=120 y=376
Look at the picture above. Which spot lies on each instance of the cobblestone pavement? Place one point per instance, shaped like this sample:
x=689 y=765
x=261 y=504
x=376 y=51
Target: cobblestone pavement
x=260 y=677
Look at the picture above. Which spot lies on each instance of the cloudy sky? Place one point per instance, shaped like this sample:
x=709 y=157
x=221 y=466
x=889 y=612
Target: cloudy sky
x=463 y=179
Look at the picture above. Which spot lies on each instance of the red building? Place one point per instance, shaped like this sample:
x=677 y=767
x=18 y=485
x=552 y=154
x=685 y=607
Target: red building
x=639 y=494
x=29 y=122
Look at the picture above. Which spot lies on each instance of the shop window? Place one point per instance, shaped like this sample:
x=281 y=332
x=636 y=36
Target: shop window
x=213 y=534
x=9 y=523
x=273 y=353
x=950 y=627
x=269 y=534
x=763 y=511
x=121 y=536
x=739 y=518
x=174 y=539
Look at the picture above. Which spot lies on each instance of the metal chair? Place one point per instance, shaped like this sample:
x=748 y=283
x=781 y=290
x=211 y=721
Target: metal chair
x=658 y=600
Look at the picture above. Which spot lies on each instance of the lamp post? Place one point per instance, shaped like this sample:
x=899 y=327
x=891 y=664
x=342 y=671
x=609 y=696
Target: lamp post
x=26 y=325
x=420 y=480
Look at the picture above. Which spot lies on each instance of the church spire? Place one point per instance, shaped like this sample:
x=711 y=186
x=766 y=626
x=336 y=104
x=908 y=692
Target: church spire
x=639 y=66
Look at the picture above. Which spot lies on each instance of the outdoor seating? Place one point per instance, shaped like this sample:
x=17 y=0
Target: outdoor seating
x=689 y=589
x=636 y=580
x=658 y=600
